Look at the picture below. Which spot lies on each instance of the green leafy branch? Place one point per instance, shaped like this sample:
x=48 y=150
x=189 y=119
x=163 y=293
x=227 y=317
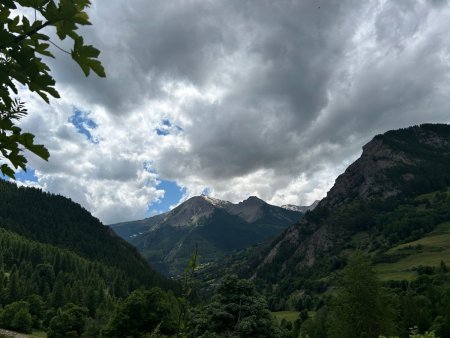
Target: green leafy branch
x=22 y=44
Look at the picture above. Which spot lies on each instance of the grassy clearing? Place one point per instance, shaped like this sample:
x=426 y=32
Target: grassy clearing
x=427 y=251
x=288 y=315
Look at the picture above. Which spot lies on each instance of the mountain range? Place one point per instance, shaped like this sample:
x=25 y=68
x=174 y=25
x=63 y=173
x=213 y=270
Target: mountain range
x=393 y=203
x=218 y=228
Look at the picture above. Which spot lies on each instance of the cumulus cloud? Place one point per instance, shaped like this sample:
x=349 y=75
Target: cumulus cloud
x=241 y=98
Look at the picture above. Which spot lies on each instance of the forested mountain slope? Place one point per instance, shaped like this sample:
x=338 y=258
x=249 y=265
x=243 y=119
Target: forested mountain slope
x=217 y=227
x=56 y=220
x=63 y=271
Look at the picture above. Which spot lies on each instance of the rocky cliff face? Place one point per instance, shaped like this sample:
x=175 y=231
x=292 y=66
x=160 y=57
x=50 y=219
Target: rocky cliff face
x=364 y=178
x=398 y=163
x=407 y=150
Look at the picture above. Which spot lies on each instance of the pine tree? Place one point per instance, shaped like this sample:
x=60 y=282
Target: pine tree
x=359 y=309
x=57 y=296
x=13 y=287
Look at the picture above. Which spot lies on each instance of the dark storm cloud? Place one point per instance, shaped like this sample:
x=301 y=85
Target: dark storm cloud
x=325 y=76
x=146 y=44
x=293 y=50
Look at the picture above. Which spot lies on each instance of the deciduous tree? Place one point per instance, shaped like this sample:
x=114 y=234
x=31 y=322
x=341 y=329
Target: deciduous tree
x=23 y=43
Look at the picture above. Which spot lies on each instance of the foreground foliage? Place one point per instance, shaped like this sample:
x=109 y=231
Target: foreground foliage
x=142 y=312
x=236 y=310
x=22 y=45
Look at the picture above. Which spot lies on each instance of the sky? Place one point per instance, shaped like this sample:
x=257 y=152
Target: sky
x=234 y=98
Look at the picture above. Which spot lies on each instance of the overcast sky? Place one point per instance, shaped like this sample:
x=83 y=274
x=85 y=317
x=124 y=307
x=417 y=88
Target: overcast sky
x=234 y=98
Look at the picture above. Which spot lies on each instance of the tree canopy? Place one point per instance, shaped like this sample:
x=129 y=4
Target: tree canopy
x=236 y=310
x=360 y=309
x=23 y=43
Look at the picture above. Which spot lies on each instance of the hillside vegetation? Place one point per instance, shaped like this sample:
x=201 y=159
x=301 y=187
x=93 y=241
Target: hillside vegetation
x=61 y=270
x=56 y=220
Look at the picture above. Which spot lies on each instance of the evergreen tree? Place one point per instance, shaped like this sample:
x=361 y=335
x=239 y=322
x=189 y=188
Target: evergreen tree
x=57 y=297
x=359 y=309
x=13 y=287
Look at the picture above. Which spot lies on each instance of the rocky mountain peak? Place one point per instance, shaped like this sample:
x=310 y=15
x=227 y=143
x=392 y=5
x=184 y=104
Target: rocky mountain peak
x=372 y=175
x=253 y=200
x=190 y=212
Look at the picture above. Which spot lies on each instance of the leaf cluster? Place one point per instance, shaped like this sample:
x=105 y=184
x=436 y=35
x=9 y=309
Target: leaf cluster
x=23 y=45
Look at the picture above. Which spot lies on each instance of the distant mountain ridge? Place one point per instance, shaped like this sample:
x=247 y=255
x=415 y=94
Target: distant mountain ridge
x=301 y=208
x=219 y=227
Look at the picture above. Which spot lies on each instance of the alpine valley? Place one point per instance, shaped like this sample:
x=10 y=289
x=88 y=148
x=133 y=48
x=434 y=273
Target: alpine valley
x=217 y=227
x=368 y=260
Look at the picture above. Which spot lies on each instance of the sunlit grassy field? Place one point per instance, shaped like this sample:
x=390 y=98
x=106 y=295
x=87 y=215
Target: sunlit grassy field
x=427 y=251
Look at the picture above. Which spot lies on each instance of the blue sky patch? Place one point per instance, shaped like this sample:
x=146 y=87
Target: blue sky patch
x=148 y=166
x=23 y=176
x=173 y=194
x=84 y=124
x=166 y=128
x=162 y=132
x=29 y=175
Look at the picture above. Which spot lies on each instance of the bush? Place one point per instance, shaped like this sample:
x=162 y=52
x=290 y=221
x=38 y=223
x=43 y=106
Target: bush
x=68 y=322
x=16 y=316
x=142 y=312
